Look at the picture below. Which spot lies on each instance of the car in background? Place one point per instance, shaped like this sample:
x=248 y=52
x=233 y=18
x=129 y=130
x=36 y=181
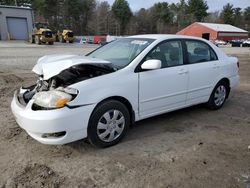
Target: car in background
x=246 y=43
x=220 y=42
x=103 y=41
x=236 y=43
x=100 y=95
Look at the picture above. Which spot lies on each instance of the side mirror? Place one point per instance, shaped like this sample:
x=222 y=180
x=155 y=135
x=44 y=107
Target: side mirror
x=151 y=64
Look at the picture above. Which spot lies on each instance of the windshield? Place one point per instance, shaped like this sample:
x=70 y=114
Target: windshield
x=121 y=52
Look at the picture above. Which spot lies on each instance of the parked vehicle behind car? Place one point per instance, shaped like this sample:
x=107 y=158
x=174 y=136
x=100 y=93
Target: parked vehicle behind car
x=100 y=95
x=66 y=35
x=41 y=34
x=236 y=43
x=220 y=42
x=246 y=43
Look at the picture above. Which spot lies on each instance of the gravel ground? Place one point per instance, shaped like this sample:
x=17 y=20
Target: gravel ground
x=193 y=147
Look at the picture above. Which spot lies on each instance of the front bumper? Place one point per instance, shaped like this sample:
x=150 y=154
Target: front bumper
x=73 y=122
x=46 y=39
x=69 y=38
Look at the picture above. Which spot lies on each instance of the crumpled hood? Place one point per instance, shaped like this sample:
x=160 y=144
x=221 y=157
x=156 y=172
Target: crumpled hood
x=51 y=65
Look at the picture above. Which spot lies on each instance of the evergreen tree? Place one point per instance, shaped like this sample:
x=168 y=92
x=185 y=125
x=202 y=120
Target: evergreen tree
x=161 y=15
x=23 y=3
x=237 y=17
x=122 y=13
x=197 y=9
x=227 y=14
x=247 y=14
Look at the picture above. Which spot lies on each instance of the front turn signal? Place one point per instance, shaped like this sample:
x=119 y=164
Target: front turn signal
x=61 y=102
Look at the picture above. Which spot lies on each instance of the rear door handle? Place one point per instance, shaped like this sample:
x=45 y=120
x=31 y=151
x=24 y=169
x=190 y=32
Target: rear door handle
x=215 y=66
x=182 y=71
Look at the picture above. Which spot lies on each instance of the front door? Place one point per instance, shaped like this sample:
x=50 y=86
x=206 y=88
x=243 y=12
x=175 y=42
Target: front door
x=164 y=89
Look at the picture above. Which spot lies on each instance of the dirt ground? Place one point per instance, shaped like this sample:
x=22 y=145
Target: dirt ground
x=193 y=147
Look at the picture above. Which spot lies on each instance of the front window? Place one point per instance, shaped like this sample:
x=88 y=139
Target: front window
x=169 y=53
x=121 y=52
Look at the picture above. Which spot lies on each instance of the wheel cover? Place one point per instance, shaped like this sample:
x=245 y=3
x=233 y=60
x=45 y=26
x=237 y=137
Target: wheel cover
x=111 y=125
x=220 y=95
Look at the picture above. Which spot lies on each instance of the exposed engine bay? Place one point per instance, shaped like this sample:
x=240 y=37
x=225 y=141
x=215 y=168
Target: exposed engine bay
x=55 y=88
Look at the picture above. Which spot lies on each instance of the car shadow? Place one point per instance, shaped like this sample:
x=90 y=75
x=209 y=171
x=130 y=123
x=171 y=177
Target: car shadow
x=171 y=122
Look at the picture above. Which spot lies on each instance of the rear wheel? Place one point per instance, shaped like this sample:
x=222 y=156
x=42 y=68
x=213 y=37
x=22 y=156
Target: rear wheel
x=218 y=96
x=51 y=43
x=62 y=39
x=108 y=124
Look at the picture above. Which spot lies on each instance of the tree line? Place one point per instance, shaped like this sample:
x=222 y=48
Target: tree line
x=91 y=17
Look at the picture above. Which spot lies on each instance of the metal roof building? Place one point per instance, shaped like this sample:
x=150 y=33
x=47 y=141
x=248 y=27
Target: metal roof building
x=212 y=31
x=15 y=22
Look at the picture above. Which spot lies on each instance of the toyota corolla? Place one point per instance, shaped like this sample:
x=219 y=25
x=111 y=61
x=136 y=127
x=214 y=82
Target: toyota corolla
x=98 y=96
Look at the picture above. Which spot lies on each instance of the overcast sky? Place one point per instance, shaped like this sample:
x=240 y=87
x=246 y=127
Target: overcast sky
x=213 y=4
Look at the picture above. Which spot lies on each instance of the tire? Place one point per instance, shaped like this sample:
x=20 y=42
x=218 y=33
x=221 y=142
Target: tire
x=108 y=124
x=71 y=41
x=37 y=40
x=32 y=39
x=51 y=43
x=57 y=38
x=62 y=39
x=218 y=96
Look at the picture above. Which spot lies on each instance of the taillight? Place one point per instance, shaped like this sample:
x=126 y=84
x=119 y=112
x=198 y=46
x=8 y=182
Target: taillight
x=238 y=64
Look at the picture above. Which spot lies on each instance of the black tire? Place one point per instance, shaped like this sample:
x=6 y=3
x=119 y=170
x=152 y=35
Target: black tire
x=51 y=43
x=62 y=39
x=96 y=116
x=32 y=39
x=211 y=104
x=37 y=40
x=57 y=38
x=71 y=41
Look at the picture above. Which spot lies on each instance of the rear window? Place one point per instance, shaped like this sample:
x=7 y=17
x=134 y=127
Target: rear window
x=199 y=52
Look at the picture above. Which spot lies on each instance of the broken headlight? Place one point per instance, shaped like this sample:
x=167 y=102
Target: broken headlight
x=54 y=98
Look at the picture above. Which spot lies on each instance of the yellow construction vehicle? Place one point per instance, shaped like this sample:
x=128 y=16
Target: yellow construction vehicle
x=42 y=35
x=66 y=36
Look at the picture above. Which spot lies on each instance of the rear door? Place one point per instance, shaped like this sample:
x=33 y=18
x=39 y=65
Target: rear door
x=203 y=71
x=164 y=89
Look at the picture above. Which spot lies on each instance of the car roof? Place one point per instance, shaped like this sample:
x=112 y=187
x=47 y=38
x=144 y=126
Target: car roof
x=164 y=36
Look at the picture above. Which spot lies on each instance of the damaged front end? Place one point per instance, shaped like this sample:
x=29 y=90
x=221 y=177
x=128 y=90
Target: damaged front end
x=56 y=92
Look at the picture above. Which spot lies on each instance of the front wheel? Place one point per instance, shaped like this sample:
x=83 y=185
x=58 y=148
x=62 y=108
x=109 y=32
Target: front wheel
x=218 y=96
x=108 y=124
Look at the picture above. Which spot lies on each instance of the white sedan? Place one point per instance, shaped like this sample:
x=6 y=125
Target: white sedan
x=98 y=96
